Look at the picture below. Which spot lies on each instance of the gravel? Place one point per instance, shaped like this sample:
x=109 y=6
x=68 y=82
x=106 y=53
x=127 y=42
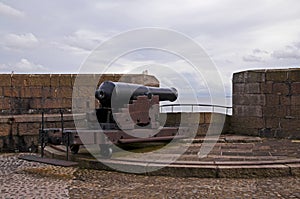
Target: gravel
x=23 y=179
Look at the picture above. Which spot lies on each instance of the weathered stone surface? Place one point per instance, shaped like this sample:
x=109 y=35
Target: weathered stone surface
x=5 y=80
x=281 y=88
x=253 y=88
x=295 y=100
x=277 y=75
x=238 y=88
x=278 y=96
x=294 y=75
x=295 y=88
x=250 y=110
x=254 y=76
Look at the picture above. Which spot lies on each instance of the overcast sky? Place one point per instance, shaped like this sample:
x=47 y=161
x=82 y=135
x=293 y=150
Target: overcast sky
x=57 y=36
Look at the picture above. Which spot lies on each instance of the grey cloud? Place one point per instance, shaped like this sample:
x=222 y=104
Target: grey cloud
x=19 y=41
x=7 y=10
x=289 y=52
x=22 y=66
x=252 y=58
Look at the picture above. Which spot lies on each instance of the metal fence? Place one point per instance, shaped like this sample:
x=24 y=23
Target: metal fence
x=172 y=108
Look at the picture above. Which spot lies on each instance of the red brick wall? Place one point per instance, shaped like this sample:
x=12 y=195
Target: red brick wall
x=267 y=103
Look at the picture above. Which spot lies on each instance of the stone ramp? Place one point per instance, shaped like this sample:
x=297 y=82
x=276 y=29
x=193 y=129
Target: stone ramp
x=231 y=157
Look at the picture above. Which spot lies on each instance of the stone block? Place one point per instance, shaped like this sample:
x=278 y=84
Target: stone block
x=25 y=92
x=249 y=99
x=4 y=129
x=4 y=103
x=295 y=100
x=20 y=80
x=281 y=88
x=267 y=87
x=238 y=88
x=272 y=122
x=290 y=124
x=285 y=100
x=33 y=128
x=66 y=103
x=238 y=77
x=52 y=103
x=272 y=99
x=36 y=91
x=202 y=129
x=254 y=76
x=295 y=111
x=275 y=111
x=252 y=88
x=5 y=80
x=36 y=103
x=65 y=92
x=65 y=80
x=250 y=110
x=207 y=118
x=39 y=80
x=54 y=80
x=277 y=75
x=7 y=91
x=87 y=80
x=46 y=92
x=295 y=88
x=294 y=75
x=248 y=122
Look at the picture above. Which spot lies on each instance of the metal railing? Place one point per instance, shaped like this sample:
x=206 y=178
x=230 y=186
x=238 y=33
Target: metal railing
x=192 y=107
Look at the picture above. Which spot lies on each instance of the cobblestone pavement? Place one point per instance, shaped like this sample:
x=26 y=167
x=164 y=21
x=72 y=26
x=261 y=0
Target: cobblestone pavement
x=22 y=179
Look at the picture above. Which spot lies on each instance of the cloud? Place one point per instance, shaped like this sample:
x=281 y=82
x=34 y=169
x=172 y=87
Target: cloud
x=81 y=41
x=252 y=58
x=23 y=66
x=7 y=10
x=289 y=52
x=257 y=55
x=20 y=41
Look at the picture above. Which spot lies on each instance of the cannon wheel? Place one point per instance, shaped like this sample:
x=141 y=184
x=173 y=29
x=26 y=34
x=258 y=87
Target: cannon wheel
x=74 y=148
x=106 y=151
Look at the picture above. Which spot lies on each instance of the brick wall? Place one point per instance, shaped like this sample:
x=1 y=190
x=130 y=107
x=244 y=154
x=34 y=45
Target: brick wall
x=267 y=103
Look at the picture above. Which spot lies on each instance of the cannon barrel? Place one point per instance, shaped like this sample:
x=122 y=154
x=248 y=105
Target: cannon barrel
x=123 y=91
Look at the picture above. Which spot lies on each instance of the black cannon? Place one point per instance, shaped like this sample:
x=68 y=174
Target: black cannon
x=120 y=91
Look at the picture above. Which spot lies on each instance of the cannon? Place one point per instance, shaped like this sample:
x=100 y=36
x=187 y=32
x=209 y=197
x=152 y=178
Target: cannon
x=139 y=102
x=127 y=113
x=123 y=91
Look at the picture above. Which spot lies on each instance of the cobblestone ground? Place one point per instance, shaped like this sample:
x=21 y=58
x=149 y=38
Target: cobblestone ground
x=22 y=179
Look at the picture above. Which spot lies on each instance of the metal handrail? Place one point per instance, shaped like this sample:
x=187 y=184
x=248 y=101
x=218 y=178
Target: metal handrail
x=195 y=105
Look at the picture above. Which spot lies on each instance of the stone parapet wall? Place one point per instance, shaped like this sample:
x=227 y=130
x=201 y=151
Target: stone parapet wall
x=205 y=120
x=20 y=132
x=33 y=93
x=23 y=97
x=267 y=103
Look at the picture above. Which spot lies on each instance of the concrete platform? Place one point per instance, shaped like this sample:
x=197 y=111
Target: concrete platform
x=231 y=157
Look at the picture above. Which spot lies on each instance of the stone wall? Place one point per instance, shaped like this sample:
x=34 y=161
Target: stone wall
x=27 y=94
x=205 y=119
x=267 y=103
x=24 y=97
